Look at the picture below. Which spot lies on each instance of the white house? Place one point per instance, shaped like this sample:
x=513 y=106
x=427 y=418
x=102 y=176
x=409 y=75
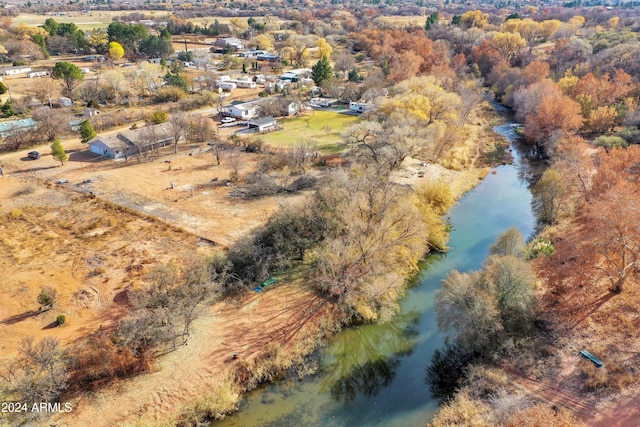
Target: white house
x=12 y=71
x=242 y=110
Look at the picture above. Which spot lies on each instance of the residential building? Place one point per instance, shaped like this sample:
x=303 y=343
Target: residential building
x=8 y=128
x=12 y=71
x=242 y=110
x=225 y=42
x=136 y=141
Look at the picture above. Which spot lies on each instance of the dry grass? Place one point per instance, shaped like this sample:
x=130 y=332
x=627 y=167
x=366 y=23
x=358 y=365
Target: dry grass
x=82 y=247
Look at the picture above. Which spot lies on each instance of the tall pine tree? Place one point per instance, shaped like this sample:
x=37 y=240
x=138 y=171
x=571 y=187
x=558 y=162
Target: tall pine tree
x=87 y=133
x=321 y=71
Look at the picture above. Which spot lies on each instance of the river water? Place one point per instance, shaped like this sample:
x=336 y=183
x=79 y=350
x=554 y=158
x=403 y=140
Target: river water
x=374 y=375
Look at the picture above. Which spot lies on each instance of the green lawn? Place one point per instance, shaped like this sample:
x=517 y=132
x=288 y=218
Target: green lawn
x=323 y=127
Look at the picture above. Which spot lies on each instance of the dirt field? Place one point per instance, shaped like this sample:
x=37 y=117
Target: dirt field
x=80 y=246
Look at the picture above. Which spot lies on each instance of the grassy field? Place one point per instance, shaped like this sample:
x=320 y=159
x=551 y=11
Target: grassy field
x=323 y=127
x=403 y=21
x=102 y=19
x=84 y=21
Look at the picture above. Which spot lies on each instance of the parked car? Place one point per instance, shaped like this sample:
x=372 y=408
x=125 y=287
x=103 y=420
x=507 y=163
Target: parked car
x=62 y=181
x=33 y=155
x=228 y=120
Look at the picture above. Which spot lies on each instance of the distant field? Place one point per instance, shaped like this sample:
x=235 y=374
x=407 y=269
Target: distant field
x=403 y=21
x=323 y=127
x=82 y=20
x=101 y=19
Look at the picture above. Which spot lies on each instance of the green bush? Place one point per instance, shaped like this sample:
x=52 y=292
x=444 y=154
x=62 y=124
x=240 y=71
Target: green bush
x=630 y=134
x=540 y=246
x=47 y=297
x=61 y=319
x=159 y=117
x=3 y=88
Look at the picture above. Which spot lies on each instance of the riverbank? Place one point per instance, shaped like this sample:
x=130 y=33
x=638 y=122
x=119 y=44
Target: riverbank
x=272 y=333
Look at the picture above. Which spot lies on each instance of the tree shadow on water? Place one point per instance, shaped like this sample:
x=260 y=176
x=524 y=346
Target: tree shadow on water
x=365 y=359
x=446 y=370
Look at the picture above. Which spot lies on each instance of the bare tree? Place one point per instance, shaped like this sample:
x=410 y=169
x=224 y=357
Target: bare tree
x=617 y=237
x=219 y=150
x=89 y=90
x=303 y=152
x=179 y=127
x=44 y=90
x=146 y=142
x=51 y=124
x=299 y=44
x=116 y=81
x=235 y=161
x=344 y=61
x=39 y=372
x=201 y=129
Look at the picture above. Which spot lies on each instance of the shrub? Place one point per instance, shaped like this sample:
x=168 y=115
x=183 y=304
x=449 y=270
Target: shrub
x=61 y=319
x=540 y=246
x=609 y=142
x=254 y=146
x=16 y=214
x=630 y=134
x=169 y=94
x=159 y=117
x=436 y=193
x=47 y=297
x=3 y=88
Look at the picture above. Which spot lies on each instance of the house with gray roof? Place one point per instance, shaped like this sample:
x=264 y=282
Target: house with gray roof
x=132 y=142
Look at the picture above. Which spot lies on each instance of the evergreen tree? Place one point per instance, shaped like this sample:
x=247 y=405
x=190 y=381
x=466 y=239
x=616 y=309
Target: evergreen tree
x=57 y=151
x=8 y=109
x=321 y=71
x=354 y=75
x=87 y=132
x=431 y=21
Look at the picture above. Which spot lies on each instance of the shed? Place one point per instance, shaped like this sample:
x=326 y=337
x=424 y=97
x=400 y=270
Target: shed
x=110 y=147
x=263 y=124
x=90 y=112
x=63 y=101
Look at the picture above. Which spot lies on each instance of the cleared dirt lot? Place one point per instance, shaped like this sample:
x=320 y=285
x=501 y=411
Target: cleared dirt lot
x=90 y=251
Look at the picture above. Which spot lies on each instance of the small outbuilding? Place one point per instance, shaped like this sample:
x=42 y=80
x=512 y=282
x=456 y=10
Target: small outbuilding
x=63 y=101
x=263 y=124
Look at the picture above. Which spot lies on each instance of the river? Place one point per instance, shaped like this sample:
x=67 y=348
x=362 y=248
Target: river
x=374 y=375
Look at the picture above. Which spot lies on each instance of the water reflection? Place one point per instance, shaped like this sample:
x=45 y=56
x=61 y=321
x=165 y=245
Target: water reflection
x=365 y=359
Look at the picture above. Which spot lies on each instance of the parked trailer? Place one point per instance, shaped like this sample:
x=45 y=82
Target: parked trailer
x=32 y=74
x=594 y=359
x=244 y=84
